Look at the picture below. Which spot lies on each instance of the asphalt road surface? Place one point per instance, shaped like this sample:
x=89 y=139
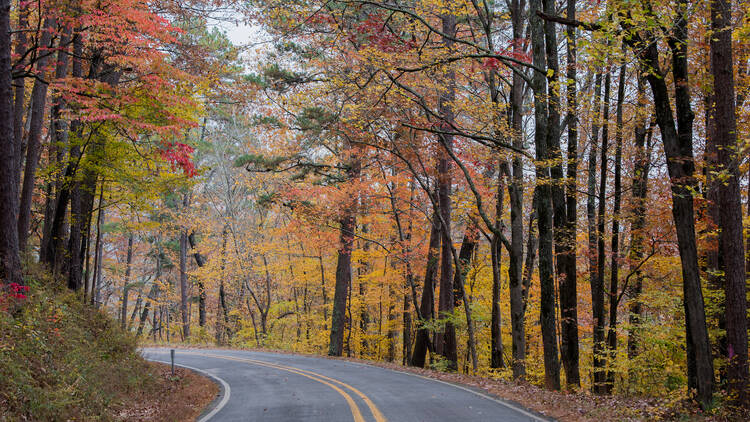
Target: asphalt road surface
x=259 y=386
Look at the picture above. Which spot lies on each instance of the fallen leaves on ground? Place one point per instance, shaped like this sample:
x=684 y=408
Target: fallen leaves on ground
x=178 y=397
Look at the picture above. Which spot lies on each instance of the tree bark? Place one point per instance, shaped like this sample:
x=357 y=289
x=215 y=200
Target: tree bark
x=445 y=340
x=20 y=90
x=10 y=262
x=343 y=280
x=200 y=261
x=569 y=282
x=614 y=297
x=152 y=294
x=597 y=288
x=323 y=291
x=729 y=200
x=184 y=285
x=466 y=251
x=98 y=247
x=391 y=326
x=496 y=333
x=36 y=120
x=136 y=308
x=427 y=304
x=678 y=147
x=596 y=299
x=126 y=286
x=544 y=205
x=515 y=194
x=79 y=219
x=147 y=307
x=641 y=167
x=58 y=145
x=222 y=313
x=56 y=255
x=565 y=261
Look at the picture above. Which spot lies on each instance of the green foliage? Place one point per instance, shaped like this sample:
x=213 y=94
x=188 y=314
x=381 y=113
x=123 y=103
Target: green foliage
x=281 y=79
x=441 y=364
x=255 y=79
x=314 y=119
x=260 y=162
x=304 y=52
x=272 y=121
x=61 y=360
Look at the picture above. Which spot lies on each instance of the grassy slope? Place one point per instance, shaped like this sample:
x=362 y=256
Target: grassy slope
x=61 y=360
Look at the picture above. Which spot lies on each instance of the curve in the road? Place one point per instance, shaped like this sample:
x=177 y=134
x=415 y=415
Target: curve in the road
x=261 y=391
x=320 y=378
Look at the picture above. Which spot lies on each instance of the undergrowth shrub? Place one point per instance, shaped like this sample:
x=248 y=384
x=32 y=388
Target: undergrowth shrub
x=62 y=360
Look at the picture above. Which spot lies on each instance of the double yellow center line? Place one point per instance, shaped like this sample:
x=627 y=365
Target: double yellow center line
x=330 y=382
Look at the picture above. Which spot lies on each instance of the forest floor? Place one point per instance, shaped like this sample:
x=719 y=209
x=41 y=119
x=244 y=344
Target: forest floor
x=61 y=360
x=178 y=397
x=563 y=406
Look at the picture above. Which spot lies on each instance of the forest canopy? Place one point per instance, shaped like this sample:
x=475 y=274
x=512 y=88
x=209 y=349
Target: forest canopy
x=552 y=192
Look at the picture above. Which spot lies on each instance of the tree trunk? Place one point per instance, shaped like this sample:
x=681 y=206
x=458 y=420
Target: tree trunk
x=323 y=291
x=496 y=327
x=79 y=219
x=343 y=280
x=515 y=194
x=126 y=286
x=544 y=205
x=136 y=308
x=641 y=167
x=200 y=261
x=97 y=278
x=147 y=307
x=468 y=245
x=184 y=284
x=10 y=262
x=153 y=293
x=565 y=261
x=445 y=340
x=596 y=299
x=364 y=316
x=597 y=287
x=427 y=305
x=406 y=329
x=20 y=91
x=58 y=144
x=678 y=148
x=569 y=282
x=222 y=314
x=91 y=287
x=410 y=294
x=729 y=199
x=57 y=256
x=614 y=297
x=36 y=120
x=392 y=332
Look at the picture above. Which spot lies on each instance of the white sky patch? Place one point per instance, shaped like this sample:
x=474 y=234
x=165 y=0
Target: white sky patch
x=251 y=39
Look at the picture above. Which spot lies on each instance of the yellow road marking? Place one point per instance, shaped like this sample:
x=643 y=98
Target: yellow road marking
x=373 y=409
x=321 y=379
x=352 y=405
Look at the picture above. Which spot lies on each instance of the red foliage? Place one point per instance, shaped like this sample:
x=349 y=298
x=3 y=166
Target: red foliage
x=179 y=155
x=516 y=49
x=377 y=33
x=17 y=291
x=491 y=63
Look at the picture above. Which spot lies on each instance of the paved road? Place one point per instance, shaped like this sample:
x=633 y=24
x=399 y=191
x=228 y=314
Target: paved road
x=259 y=386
